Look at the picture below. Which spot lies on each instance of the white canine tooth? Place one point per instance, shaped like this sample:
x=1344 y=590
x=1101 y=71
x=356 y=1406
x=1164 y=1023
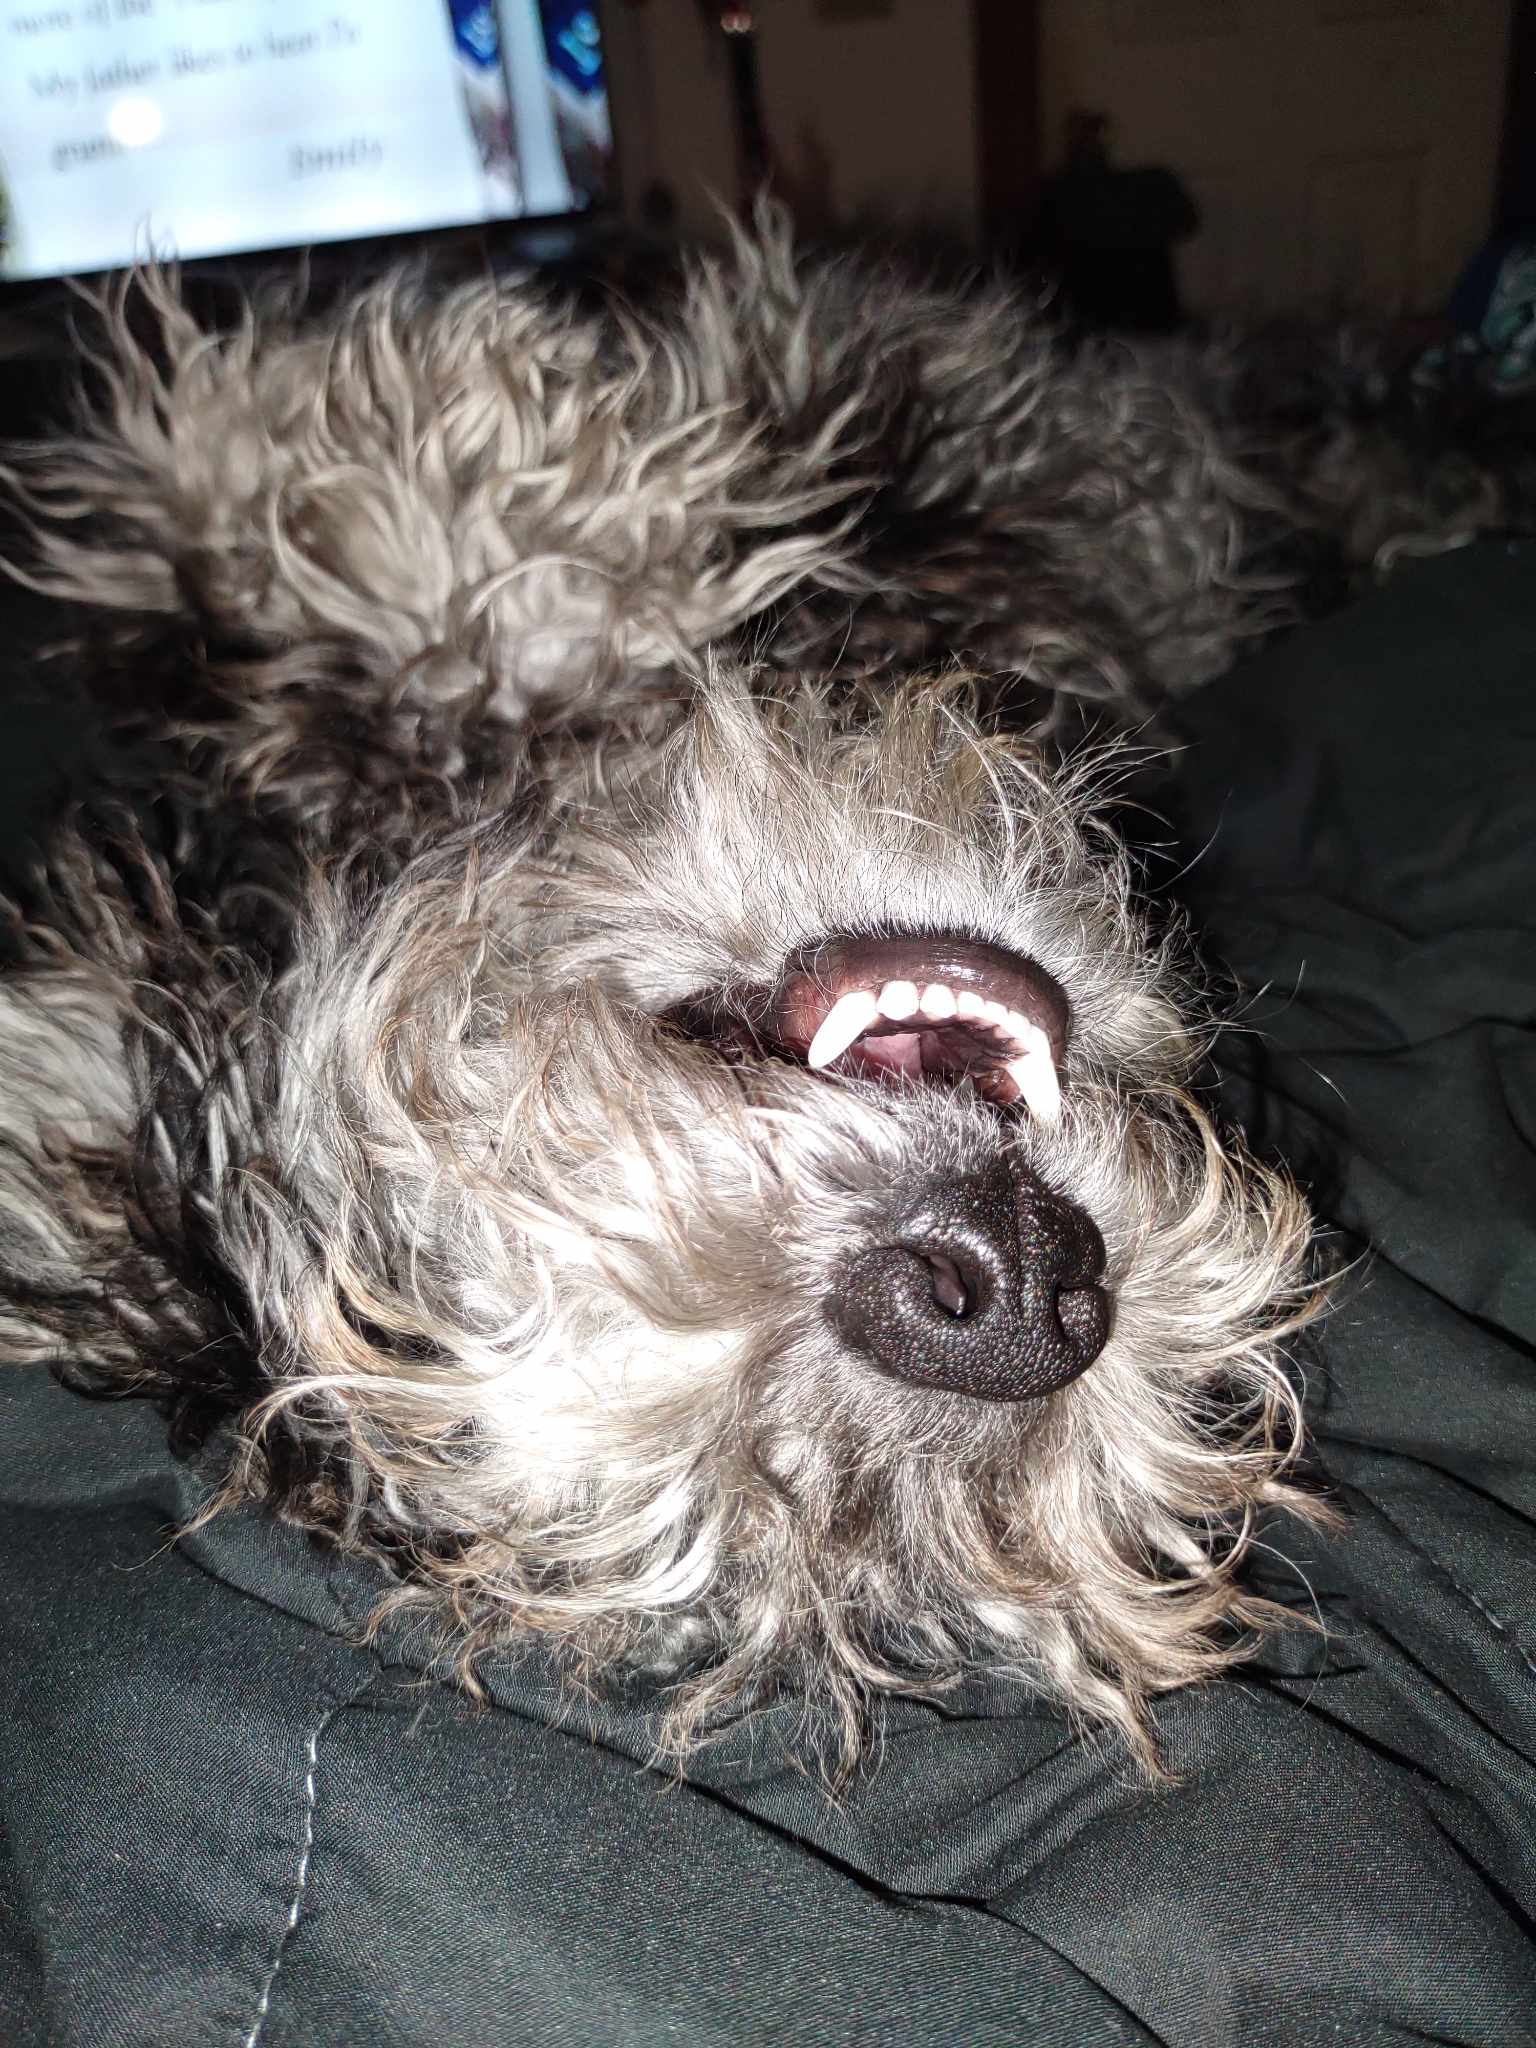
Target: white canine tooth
x=898 y=999
x=1033 y=1073
x=995 y=1013
x=938 y=1001
x=1029 y=1038
x=968 y=1003
x=849 y=1018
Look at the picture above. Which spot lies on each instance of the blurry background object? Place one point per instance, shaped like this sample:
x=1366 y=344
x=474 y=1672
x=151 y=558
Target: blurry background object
x=1310 y=158
x=487 y=102
x=260 y=124
x=1344 y=156
x=1109 y=233
x=1342 y=153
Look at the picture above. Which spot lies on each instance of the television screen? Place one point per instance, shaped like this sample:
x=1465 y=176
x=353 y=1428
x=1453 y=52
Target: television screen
x=205 y=127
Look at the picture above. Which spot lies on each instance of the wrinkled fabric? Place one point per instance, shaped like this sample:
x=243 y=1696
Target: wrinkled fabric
x=221 y=1820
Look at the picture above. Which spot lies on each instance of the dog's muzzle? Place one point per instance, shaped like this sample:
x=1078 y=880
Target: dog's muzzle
x=990 y=1286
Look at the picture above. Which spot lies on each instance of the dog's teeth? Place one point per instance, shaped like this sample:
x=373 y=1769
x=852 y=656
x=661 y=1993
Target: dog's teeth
x=1035 y=1079
x=1033 y=1073
x=898 y=999
x=995 y=1013
x=938 y=1001
x=968 y=1004
x=849 y=1018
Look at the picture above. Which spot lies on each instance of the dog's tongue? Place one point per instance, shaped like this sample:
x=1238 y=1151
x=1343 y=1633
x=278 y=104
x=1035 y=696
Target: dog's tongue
x=929 y=1007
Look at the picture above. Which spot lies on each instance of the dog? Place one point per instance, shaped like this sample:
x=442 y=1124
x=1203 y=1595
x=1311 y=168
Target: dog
x=590 y=1073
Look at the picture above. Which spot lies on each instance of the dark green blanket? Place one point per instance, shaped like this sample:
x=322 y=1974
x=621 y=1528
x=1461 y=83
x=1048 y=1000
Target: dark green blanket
x=223 y=1823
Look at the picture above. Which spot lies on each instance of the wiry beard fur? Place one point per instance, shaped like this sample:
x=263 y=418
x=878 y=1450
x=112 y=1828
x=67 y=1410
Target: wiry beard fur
x=500 y=1274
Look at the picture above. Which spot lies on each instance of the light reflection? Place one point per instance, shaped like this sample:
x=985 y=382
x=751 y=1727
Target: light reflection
x=134 y=121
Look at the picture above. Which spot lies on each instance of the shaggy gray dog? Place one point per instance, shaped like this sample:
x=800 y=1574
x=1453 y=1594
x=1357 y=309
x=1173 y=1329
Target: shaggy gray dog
x=688 y=1162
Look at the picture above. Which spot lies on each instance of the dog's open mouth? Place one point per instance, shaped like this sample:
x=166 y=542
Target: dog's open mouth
x=919 y=1007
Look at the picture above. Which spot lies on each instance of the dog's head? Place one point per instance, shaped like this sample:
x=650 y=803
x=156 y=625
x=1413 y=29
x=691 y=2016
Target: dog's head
x=758 y=1227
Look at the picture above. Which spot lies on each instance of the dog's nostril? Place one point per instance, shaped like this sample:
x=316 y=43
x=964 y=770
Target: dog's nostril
x=995 y=1294
x=953 y=1288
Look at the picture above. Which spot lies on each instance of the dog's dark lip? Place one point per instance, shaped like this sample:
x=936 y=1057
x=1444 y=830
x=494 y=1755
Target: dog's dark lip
x=784 y=1020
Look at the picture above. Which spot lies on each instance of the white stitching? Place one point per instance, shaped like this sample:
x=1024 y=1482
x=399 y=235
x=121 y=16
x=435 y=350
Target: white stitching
x=302 y=1878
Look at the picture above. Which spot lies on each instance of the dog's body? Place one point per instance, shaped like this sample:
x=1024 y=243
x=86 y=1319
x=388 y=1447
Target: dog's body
x=694 y=1164
x=396 y=545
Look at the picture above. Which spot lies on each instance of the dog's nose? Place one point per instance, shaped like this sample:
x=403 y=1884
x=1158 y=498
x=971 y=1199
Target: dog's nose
x=990 y=1286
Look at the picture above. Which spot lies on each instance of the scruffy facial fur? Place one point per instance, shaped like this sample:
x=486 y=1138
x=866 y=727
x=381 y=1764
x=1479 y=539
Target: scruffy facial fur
x=426 y=1117
x=534 y=1288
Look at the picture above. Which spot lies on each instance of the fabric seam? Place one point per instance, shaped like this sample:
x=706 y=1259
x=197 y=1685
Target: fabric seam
x=306 y=1851
x=1437 y=1564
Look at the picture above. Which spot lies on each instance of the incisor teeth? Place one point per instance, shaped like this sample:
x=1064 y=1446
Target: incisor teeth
x=849 y=1018
x=1032 y=1069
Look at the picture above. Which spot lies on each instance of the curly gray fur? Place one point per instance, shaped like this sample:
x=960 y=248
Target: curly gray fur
x=385 y=540
x=533 y=1287
x=379 y=1150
